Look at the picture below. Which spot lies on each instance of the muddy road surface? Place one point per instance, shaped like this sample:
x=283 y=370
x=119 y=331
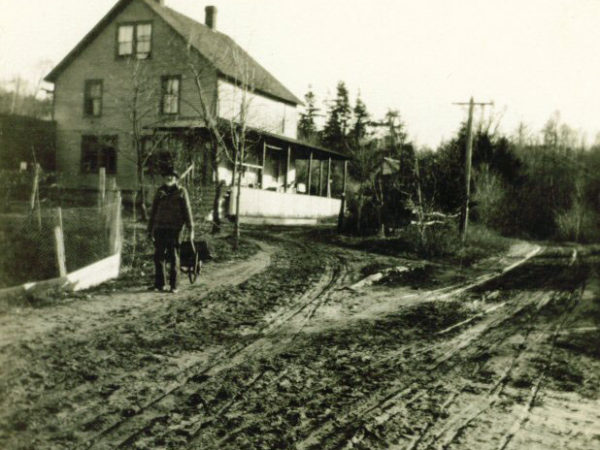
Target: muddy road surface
x=299 y=347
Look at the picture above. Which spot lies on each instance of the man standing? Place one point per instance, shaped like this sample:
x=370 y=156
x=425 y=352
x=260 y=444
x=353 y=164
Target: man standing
x=171 y=210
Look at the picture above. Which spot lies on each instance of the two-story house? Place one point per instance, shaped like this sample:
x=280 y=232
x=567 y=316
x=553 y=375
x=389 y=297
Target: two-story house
x=147 y=76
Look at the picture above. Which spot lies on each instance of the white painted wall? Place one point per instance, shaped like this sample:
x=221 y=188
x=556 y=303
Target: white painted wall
x=260 y=203
x=263 y=113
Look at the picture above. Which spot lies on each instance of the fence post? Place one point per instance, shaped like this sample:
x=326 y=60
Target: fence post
x=34 y=189
x=60 y=243
x=329 y=177
x=35 y=197
x=341 y=214
x=310 y=163
x=320 y=178
x=115 y=226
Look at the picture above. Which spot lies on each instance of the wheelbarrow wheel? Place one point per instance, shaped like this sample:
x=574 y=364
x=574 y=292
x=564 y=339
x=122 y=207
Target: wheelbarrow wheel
x=195 y=269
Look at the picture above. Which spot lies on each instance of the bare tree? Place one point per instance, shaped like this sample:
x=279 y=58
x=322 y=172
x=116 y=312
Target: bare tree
x=207 y=113
x=238 y=129
x=228 y=136
x=140 y=106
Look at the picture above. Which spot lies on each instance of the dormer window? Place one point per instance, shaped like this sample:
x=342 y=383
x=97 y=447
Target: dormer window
x=134 y=40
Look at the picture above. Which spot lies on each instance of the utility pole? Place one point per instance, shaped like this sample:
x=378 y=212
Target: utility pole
x=464 y=222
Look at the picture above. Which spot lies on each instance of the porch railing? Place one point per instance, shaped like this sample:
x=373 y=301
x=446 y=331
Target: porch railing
x=187 y=176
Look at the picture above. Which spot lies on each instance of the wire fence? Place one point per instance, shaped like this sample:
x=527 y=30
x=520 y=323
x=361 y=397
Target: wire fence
x=51 y=242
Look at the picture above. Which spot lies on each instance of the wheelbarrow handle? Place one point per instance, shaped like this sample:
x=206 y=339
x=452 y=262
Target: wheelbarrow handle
x=187 y=238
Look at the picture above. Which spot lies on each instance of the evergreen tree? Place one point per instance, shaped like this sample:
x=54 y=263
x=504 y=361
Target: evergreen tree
x=336 y=127
x=395 y=133
x=307 y=128
x=361 y=122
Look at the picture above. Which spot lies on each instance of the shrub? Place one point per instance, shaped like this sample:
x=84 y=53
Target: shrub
x=577 y=224
x=433 y=241
x=488 y=196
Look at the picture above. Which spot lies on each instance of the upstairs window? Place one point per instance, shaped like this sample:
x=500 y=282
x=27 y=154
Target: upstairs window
x=170 y=94
x=134 y=40
x=143 y=39
x=92 y=102
x=98 y=151
x=125 y=47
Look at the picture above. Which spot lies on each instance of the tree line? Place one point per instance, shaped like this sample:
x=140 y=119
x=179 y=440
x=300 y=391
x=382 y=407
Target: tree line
x=533 y=184
x=23 y=97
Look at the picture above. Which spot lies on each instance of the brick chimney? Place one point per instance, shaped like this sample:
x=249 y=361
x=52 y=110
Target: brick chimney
x=211 y=17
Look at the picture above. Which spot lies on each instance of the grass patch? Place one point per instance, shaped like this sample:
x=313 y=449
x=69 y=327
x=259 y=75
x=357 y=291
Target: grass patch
x=423 y=275
x=440 y=243
x=482 y=243
x=29 y=251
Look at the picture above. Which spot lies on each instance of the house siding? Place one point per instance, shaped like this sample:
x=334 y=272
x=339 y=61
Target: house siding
x=98 y=60
x=262 y=113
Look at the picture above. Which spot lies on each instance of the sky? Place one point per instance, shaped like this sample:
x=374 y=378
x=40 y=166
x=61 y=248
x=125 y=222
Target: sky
x=530 y=57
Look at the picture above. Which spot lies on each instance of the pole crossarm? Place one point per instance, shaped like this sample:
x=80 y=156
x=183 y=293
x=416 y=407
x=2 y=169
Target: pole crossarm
x=474 y=103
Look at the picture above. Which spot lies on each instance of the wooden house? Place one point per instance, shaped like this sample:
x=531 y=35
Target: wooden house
x=147 y=79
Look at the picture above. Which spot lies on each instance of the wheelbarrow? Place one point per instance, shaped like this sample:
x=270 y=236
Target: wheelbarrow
x=192 y=254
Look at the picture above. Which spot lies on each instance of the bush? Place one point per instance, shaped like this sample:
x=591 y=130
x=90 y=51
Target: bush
x=362 y=218
x=577 y=225
x=394 y=214
x=489 y=196
x=433 y=241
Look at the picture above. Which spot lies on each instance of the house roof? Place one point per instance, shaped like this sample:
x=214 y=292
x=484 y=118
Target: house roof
x=272 y=138
x=231 y=61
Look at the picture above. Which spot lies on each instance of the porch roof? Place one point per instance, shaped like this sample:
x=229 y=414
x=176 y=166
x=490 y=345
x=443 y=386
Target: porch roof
x=272 y=139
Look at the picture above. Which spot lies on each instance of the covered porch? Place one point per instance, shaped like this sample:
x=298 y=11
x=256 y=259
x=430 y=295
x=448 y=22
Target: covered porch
x=284 y=180
x=297 y=182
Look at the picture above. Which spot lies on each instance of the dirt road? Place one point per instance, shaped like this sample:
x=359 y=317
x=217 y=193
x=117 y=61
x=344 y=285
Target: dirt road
x=290 y=349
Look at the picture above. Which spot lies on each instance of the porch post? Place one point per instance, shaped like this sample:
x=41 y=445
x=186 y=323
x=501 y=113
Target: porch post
x=320 y=178
x=309 y=173
x=262 y=171
x=328 y=177
x=345 y=177
x=341 y=224
x=287 y=168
